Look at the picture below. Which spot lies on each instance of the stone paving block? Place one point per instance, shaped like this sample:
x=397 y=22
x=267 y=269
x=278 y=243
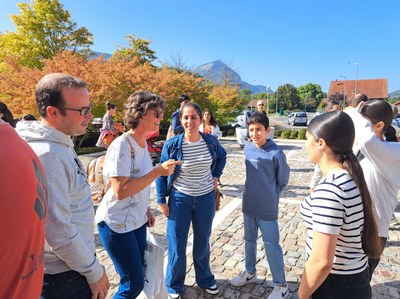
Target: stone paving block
x=230 y=263
x=258 y=290
x=248 y=296
x=229 y=247
x=231 y=294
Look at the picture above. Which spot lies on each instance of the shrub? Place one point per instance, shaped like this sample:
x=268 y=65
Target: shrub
x=293 y=134
x=286 y=134
x=301 y=135
x=277 y=133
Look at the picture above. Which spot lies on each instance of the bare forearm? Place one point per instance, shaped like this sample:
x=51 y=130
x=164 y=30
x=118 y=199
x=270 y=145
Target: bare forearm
x=133 y=186
x=313 y=276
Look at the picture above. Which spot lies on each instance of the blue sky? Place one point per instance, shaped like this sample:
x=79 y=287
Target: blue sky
x=266 y=42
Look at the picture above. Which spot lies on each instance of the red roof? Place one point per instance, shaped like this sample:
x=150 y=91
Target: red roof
x=372 y=88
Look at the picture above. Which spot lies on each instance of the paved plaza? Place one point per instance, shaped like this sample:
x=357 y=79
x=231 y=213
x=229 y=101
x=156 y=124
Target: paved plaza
x=227 y=245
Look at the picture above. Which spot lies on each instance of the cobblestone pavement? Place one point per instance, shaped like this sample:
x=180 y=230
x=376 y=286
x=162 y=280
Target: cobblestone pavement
x=227 y=245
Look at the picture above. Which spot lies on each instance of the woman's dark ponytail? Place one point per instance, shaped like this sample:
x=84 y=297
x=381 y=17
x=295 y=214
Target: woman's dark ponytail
x=370 y=240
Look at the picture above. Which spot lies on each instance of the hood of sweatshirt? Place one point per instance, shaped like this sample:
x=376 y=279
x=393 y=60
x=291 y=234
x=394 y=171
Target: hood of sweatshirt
x=35 y=131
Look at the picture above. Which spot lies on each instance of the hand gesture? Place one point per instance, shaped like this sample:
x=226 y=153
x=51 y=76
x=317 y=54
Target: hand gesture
x=167 y=168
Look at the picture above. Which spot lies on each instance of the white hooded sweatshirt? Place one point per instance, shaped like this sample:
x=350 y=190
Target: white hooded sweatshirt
x=381 y=167
x=69 y=241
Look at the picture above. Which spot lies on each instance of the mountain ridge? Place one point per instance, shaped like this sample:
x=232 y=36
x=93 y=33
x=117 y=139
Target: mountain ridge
x=218 y=72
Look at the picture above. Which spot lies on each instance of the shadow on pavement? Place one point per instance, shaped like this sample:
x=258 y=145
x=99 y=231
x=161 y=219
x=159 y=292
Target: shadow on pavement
x=389 y=289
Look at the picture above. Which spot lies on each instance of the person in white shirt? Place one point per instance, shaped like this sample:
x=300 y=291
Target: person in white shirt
x=124 y=211
x=381 y=162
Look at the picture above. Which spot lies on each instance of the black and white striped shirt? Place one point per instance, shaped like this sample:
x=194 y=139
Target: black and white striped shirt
x=335 y=207
x=195 y=178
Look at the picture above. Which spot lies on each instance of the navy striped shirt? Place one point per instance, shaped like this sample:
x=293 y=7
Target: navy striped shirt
x=195 y=178
x=335 y=208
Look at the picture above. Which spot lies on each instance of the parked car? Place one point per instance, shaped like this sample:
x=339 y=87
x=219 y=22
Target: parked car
x=242 y=119
x=97 y=123
x=297 y=118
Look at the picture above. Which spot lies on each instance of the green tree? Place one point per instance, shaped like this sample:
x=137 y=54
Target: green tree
x=310 y=94
x=288 y=97
x=43 y=29
x=137 y=48
x=246 y=95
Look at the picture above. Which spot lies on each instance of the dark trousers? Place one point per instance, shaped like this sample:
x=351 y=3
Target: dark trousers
x=65 y=285
x=373 y=263
x=354 y=286
x=126 y=251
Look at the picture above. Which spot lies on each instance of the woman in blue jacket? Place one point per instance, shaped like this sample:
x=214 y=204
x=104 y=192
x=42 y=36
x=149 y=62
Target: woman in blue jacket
x=191 y=191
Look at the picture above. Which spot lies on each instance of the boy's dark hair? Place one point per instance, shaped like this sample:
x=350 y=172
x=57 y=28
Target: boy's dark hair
x=259 y=118
x=183 y=97
x=110 y=106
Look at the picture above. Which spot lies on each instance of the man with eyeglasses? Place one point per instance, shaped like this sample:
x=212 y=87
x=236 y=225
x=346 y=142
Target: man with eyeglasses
x=70 y=265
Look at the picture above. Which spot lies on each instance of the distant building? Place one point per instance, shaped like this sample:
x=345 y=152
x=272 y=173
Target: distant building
x=373 y=88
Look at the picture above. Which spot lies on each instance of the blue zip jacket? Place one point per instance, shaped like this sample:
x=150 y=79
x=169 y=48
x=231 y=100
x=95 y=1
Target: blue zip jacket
x=172 y=149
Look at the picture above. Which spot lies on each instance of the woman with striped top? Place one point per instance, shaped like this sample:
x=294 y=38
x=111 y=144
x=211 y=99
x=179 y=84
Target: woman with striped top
x=341 y=230
x=191 y=190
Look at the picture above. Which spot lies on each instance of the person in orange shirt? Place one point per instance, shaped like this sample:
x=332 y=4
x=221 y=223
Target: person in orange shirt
x=22 y=217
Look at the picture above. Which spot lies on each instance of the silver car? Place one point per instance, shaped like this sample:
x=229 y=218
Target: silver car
x=297 y=118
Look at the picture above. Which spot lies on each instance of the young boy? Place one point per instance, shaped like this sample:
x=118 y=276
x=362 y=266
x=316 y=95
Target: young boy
x=267 y=174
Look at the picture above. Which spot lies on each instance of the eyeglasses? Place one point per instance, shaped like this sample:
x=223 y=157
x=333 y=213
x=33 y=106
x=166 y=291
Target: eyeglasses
x=158 y=113
x=84 y=111
x=260 y=105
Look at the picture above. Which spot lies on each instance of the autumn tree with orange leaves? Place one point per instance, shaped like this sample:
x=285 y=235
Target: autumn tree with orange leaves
x=114 y=80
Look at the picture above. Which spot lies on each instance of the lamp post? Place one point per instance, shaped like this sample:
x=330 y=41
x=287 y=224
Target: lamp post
x=356 y=64
x=268 y=88
x=344 y=90
x=276 y=100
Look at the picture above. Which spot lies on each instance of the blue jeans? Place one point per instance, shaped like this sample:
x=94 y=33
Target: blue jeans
x=270 y=236
x=183 y=209
x=126 y=251
x=65 y=285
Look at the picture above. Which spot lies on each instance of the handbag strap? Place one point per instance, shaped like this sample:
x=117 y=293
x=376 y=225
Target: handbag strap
x=108 y=186
x=130 y=145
